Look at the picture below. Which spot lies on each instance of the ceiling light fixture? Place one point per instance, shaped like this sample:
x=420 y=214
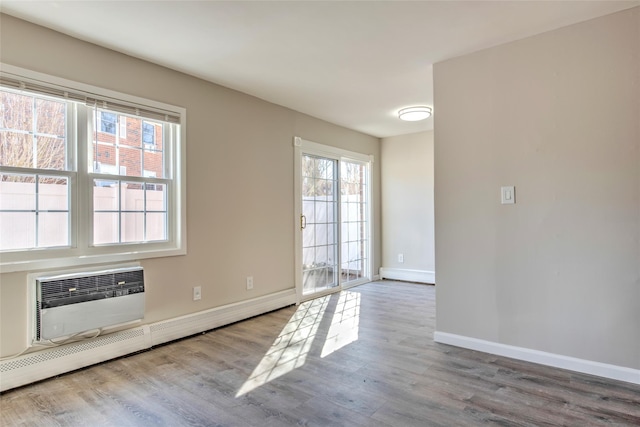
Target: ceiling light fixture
x=413 y=114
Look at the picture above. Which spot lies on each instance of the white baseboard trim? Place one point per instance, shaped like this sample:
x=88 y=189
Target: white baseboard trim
x=421 y=276
x=54 y=361
x=179 y=327
x=605 y=370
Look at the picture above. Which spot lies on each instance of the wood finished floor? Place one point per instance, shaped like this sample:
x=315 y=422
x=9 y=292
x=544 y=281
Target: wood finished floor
x=365 y=357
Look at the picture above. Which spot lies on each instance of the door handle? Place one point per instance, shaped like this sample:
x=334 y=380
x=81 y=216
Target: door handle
x=303 y=222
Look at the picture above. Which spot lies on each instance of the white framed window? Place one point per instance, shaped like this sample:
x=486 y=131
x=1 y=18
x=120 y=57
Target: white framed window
x=87 y=175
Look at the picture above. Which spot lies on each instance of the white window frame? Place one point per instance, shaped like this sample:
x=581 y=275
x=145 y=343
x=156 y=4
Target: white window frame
x=82 y=251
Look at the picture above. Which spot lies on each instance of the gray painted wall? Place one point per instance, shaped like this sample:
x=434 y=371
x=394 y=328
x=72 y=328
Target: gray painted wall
x=240 y=202
x=558 y=116
x=407 y=202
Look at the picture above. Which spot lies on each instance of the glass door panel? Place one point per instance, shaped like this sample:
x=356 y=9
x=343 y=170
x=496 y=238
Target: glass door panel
x=319 y=223
x=354 y=257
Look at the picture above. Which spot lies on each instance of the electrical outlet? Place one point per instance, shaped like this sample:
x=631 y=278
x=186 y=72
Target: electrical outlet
x=249 y=283
x=197 y=293
x=401 y=258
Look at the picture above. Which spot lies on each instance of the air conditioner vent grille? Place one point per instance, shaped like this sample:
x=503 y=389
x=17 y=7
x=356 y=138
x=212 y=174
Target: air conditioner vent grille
x=129 y=276
x=63 y=291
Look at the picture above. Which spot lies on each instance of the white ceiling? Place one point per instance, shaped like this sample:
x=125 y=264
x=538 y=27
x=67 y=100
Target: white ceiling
x=350 y=63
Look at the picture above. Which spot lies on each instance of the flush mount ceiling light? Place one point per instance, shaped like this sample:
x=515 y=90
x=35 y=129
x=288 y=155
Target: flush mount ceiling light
x=413 y=114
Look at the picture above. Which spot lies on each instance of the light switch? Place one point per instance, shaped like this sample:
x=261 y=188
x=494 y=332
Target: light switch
x=508 y=195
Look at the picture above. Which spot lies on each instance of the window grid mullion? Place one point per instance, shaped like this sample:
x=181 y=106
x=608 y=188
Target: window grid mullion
x=117 y=153
x=119 y=212
x=37 y=196
x=32 y=135
x=144 y=215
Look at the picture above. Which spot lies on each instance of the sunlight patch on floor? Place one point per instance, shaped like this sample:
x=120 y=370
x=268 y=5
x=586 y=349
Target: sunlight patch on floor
x=289 y=351
x=344 y=325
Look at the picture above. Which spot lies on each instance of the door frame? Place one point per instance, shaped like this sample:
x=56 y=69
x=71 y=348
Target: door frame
x=302 y=146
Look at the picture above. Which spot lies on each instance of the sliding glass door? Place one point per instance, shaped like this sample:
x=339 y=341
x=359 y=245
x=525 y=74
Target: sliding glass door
x=333 y=239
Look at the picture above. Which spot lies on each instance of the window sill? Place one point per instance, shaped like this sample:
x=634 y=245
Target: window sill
x=44 y=263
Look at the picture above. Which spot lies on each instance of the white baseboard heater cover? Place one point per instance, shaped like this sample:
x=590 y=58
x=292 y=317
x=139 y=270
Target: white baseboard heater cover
x=49 y=362
x=70 y=304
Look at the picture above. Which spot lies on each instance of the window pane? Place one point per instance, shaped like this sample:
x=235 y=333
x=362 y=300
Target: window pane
x=105 y=227
x=308 y=238
x=53 y=194
x=346 y=274
x=308 y=255
x=308 y=166
x=321 y=234
x=322 y=256
x=24 y=136
x=153 y=163
x=331 y=233
x=104 y=159
x=17 y=111
x=108 y=122
x=148 y=133
x=105 y=195
x=308 y=187
x=126 y=216
x=325 y=168
x=309 y=210
x=101 y=129
x=123 y=153
x=130 y=161
x=17 y=211
x=51 y=152
x=105 y=224
x=28 y=212
x=156 y=197
x=156 y=217
x=16 y=149
x=354 y=212
x=51 y=117
x=17 y=230
x=127 y=134
x=156 y=226
x=53 y=229
x=132 y=227
x=17 y=192
x=134 y=132
x=321 y=212
x=324 y=187
x=354 y=231
x=132 y=196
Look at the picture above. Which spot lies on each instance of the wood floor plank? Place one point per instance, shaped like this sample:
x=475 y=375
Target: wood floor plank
x=365 y=357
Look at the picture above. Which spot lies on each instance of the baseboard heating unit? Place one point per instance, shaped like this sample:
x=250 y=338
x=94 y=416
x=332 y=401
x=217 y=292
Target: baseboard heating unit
x=70 y=304
x=35 y=366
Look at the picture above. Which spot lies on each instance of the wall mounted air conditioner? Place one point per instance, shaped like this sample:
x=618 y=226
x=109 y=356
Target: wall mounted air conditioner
x=70 y=304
